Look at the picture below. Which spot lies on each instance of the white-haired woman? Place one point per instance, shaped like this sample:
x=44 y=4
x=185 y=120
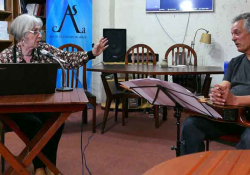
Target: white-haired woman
x=26 y=30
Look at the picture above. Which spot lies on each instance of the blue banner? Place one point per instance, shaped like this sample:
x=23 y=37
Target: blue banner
x=67 y=22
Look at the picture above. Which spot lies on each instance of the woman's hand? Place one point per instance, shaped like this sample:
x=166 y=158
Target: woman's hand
x=100 y=46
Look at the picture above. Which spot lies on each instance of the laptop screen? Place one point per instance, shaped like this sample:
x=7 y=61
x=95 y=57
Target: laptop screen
x=28 y=78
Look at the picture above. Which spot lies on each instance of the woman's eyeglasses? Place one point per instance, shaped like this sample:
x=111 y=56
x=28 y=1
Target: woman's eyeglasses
x=36 y=32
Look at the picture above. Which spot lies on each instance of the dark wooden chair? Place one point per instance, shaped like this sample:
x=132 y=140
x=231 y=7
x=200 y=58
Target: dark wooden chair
x=71 y=81
x=181 y=54
x=230 y=139
x=139 y=54
x=111 y=96
x=143 y=55
x=240 y=115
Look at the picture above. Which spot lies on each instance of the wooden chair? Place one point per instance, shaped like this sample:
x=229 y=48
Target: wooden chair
x=140 y=54
x=230 y=139
x=117 y=95
x=135 y=53
x=72 y=82
x=182 y=54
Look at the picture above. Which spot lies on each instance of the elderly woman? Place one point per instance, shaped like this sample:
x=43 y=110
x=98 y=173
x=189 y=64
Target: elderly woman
x=27 y=32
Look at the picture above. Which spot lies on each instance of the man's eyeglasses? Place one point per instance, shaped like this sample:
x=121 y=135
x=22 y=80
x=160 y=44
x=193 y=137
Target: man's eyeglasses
x=36 y=32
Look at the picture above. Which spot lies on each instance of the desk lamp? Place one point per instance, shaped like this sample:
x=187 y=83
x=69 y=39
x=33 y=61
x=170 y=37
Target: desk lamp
x=205 y=38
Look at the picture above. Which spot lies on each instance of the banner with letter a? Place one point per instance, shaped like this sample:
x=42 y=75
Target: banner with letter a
x=67 y=22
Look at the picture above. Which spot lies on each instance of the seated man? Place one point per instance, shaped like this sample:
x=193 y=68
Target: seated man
x=233 y=90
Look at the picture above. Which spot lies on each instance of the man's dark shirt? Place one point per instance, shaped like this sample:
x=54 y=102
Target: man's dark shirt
x=238 y=74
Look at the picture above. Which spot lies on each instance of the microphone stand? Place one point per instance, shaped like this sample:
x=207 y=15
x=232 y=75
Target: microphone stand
x=64 y=88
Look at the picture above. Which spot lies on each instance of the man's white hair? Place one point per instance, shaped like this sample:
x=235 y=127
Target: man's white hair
x=246 y=18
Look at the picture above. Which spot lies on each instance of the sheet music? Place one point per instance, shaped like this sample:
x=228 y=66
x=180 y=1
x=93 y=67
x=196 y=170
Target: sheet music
x=147 y=88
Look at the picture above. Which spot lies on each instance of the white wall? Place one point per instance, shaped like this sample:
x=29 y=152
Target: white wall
x=144 y=28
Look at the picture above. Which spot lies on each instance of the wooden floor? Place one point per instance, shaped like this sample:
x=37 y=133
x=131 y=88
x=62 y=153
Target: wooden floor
x=123 y=150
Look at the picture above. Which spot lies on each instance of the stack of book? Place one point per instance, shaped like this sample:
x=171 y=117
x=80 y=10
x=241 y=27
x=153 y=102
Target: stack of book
x=4 y=30
x=2 y=4
x=36 y=9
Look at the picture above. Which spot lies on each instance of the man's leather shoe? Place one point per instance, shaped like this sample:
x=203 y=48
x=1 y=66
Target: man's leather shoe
x=40 y=171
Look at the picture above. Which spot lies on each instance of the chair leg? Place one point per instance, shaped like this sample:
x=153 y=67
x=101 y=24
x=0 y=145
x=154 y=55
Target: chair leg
x=207 y=144
x=3 y=141
x=156 y=115
x=123 y=111
x=126 y=107
x=93 y=103
x=165 y=113
x=117 y=101
x=85 y=115
x=106 y=113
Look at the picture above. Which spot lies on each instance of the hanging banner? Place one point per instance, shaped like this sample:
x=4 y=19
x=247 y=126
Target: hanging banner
x=67 y=22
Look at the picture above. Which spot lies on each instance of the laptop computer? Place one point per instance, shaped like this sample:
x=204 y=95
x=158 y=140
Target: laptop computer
x=25 y=78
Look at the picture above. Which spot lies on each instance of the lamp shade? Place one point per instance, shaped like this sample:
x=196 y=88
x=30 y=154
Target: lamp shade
x=205 y=38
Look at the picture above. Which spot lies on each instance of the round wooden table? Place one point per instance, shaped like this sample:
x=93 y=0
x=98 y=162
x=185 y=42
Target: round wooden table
x=210 y=162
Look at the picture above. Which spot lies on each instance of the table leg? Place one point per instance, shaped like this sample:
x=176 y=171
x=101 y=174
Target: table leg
x=39 y=141
x=156 y=115
x=9 y=157
x=206 y=85
x=30 y=144
x=45 y=138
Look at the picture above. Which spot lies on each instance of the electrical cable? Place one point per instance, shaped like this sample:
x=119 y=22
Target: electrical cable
x=164 y=29
x=81 y=147
x=83 y=157
x=167 y=32
x=186 y=28
x=83 y=153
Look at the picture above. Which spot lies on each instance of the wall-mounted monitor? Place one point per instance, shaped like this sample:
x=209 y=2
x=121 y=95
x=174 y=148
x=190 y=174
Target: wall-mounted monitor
x=179 y=5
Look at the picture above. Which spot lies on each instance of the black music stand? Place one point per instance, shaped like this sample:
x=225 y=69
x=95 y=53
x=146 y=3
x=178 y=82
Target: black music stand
x=164 y=93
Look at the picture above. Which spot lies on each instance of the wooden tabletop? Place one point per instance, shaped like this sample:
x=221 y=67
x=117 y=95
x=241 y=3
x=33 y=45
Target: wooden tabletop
x=57 y=102
x=156 y=70
x=233 y=162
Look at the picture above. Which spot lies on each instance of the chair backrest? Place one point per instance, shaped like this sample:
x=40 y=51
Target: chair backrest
x=74 y=83
x=181 y=54
x=140 y=54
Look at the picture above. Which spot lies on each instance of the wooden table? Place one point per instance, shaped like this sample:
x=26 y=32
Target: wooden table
x=233 y=162
x=156 y=70
x=59 y=102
